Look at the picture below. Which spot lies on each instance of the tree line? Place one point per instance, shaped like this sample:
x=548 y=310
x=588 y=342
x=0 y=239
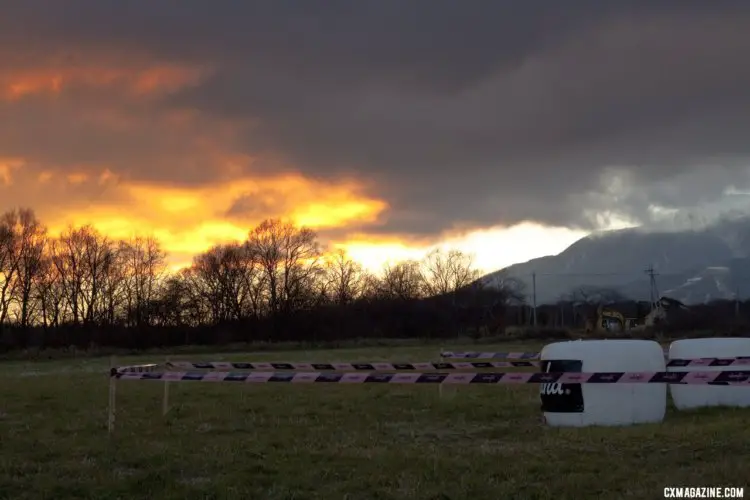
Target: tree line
x=84 y=288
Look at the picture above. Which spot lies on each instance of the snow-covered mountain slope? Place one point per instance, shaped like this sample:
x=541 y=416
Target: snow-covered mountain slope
x=691 y=266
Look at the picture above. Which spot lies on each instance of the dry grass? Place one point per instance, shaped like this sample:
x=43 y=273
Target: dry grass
x=336 y=442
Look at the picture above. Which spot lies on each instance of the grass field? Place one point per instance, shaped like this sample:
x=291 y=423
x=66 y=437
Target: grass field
x=270 y=441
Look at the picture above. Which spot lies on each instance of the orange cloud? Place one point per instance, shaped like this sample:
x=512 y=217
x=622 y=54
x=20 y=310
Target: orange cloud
x=374 y=253
x=7 y=166
x=189 y=220
x=77 y=178
x=136 y=80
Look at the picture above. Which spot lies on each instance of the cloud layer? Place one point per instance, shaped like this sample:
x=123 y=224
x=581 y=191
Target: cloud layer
x=444 y=115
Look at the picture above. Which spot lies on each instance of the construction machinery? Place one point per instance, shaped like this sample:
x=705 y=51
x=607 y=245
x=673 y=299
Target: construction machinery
x=610 y=320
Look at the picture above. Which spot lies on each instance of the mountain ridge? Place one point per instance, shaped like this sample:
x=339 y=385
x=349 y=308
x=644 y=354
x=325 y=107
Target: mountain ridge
x=692 y=265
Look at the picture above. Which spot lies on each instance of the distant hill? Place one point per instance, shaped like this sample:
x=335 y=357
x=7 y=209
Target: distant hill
x=693 y=266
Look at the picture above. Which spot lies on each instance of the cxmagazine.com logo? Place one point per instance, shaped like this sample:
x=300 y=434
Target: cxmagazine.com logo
x=705 y=492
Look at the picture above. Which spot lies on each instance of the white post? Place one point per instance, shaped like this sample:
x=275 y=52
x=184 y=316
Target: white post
x=165 y=400
x=112 y=394
x=449 y=392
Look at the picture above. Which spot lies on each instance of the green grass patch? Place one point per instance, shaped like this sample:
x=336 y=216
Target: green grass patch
x=321 y=441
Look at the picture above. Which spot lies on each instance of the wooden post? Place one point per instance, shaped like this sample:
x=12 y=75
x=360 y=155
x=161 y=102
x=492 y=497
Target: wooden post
x=165 y=400
x=112 y=397
x=440 y=386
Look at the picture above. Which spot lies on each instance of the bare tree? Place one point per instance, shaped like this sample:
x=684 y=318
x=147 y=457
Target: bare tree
x=9 y=257
x=209 y=282
x=484 y=304
x=371 y=287
x=228 y=279
x=113 y=295
x=255 y=280
x=289 y=257
x=83 y=259
x=447 y=272
x=144 y=266
x=67 y=257
x=402 y=281
x=100 y=257
x=31 y=242
x=181 y=302
x=513 y=290
x=216 y=282
x=50 y=293
x=344 y=278
x=275 y=282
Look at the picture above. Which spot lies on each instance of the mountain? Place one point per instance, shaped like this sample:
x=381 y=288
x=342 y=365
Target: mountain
x=693 y=266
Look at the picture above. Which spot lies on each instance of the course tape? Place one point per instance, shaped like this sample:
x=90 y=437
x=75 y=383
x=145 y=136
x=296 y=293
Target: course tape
x=383 y=366
x=370 y=366
x=496 y=355
x=490 y=355
x=138 y=368
x=691 y=378
x=740 y=360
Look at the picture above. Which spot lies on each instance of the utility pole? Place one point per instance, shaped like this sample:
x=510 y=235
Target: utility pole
x=654 y=291
x=533 y=288
x=737 y=303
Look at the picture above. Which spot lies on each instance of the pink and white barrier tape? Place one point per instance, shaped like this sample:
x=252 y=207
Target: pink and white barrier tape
x=496 y=355
x=490 y=355
x=384 y=366
x=741 y=360
x=691 y=378
x=138 y=368
x=369 y=366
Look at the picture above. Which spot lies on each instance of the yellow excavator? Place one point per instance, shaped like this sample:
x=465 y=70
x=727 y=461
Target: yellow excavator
x=609 y=320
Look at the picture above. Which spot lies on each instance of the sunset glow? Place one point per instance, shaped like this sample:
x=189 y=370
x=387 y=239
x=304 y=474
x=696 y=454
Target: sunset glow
x=190 y=220
x=491 y=249
x=131 y=168
x=136 y=80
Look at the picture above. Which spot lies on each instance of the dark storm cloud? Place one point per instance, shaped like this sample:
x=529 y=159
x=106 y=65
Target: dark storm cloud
x=463 y=112
x=68 y=136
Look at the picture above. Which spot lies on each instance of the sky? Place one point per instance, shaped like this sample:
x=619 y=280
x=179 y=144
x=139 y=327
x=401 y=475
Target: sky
x=507 y=129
